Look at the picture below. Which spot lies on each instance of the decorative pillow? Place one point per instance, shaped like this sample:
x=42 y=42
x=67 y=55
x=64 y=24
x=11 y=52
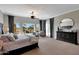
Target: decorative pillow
x=11 y=34
x=15 y=36
x=11 y=38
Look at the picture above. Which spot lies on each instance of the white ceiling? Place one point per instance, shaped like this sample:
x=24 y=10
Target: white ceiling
x=25 y=20
x=41 y=11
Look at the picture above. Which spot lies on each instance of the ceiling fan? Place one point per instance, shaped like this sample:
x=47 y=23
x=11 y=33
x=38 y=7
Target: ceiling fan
x=32 y=16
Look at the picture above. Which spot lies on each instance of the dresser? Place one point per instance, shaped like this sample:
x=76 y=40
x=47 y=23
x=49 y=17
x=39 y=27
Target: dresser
x=70 y=37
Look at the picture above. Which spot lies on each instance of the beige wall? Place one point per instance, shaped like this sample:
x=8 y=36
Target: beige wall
x=74 y=15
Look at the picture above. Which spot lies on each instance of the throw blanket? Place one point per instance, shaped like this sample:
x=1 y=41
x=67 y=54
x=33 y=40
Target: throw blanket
x=1 y=44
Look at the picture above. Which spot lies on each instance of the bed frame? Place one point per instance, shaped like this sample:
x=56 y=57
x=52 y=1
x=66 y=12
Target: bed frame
x=22 y=50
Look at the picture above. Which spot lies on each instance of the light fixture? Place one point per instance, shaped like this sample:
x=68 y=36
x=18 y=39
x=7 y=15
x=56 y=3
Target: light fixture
x=32 y=16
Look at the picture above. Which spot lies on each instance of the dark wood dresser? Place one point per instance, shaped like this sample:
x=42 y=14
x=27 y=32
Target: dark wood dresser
x=67 y=36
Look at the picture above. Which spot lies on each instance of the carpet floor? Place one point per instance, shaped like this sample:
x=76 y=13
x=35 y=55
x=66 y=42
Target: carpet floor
x=50 y=46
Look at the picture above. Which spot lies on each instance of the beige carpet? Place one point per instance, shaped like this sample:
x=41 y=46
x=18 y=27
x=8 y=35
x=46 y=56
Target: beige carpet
x=50 y=46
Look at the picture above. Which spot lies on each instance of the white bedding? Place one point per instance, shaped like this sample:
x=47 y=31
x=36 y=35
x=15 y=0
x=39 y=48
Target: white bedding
x=9 y=46
x=21 y=37
x=23 y=40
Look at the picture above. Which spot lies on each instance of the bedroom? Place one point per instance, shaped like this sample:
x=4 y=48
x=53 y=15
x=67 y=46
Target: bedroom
x=43 y=28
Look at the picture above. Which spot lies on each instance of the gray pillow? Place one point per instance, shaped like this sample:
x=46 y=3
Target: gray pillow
x=15 y=36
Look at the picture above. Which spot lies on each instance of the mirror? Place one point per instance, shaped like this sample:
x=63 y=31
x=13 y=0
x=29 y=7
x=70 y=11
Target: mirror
x=66 y=23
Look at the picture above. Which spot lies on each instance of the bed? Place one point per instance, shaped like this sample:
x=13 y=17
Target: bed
x=20 y=45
